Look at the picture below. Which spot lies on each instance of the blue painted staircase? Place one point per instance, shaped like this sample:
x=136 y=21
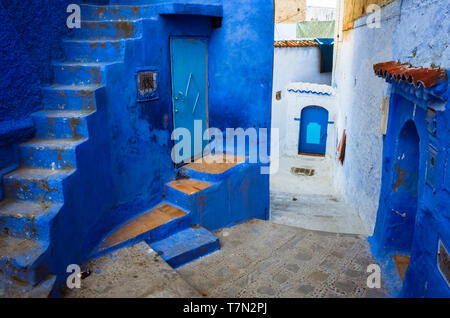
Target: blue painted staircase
x=33 y=194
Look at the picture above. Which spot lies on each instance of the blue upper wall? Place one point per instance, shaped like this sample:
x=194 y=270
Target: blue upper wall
x=30 y=34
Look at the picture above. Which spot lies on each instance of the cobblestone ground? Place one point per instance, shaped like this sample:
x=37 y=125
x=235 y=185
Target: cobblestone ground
x=264 y=259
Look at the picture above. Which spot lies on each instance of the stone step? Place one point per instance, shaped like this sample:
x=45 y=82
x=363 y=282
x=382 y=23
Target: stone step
x=18 y=258
x=69 y=97
x=94 y=51
x=49 y=153
x=213 y=168
x=153 y=225
x=108 y=30
x=12 y=288
x=27 y=219
x=183 y=191
x=114 y=12
x=61 y=124
x=79 y=73
x=186 y=246
x=35 y=184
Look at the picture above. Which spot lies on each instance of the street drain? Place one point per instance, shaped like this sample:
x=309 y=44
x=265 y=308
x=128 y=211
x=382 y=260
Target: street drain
x=302 y=171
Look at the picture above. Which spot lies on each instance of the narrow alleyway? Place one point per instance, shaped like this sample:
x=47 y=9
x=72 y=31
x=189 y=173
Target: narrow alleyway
x=306 y=197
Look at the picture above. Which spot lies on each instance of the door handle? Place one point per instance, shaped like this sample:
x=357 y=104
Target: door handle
x=195 y=105
x=188 y=85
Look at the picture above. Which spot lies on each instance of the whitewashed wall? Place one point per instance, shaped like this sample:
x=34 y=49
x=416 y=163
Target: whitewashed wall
x=293 y=65
x=296 y=102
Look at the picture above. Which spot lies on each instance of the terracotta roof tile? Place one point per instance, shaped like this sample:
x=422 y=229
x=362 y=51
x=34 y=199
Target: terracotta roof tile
x=295 y=43
x=426 y=77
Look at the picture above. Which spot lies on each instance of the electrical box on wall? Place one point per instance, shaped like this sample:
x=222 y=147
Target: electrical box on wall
x=431 y=167
x=147 y=84
x=431 y=122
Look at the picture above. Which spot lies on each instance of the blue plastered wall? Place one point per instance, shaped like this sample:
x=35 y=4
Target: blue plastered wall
x=410 y=31
x=123 y=167
x=30 y=34
x=421 y=39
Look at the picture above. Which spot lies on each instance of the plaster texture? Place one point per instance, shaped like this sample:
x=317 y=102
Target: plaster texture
x=360 y=96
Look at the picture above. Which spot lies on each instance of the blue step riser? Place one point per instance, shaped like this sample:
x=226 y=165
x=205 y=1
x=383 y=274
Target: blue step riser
x=193 y=255
x=95 y=13
x=62 y=128
x=78 y=75
x=25 y=227
x=107 y=30
x=179 y=198
x=168 y=229
x=94 y=51
x=157 y=234
x=33 y=190
x=67 y=99
x=47 y=158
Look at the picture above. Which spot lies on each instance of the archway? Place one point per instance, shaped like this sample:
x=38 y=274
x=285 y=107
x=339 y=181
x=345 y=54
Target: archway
x=313 y=131
x=403 y=198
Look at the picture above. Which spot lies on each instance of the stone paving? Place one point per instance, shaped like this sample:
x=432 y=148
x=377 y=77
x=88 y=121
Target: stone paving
x=257 y=259
x=264 y=259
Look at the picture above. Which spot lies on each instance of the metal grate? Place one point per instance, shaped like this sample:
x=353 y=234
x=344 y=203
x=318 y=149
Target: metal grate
x=302 y=171
x=147 y=84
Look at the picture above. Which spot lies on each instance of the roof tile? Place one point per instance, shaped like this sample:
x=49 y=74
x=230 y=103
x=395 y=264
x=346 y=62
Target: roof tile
x=295 y=43
x=426 y=77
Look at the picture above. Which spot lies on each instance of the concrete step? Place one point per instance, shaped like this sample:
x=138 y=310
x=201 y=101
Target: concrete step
x=79 y=73
x=94 y=51
x=69 y=97
x=114 y=12
x=35 y=184
x=49 y=153
x=18 y=258
x=12 y=288
x=213 y=168
x=186 y=246
x=61 y=124
x=153 y=225
x=183 y=191
x=27 y=219
x=108 y=30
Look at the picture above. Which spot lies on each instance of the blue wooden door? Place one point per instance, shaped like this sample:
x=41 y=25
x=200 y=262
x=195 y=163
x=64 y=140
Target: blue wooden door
x=189 y=90
x=313 y=130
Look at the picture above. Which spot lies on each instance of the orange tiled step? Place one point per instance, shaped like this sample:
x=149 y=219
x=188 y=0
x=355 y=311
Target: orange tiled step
x=401 y=262
x=189 y=186
x=215 y=164
x=142 y=223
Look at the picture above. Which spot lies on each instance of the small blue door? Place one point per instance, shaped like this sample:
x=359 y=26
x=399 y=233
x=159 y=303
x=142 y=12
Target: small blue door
x=313 y=130
x=189 y=90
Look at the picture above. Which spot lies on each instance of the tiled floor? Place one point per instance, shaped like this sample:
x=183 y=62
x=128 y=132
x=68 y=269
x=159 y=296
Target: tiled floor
x=257 y=259
x=264 y=259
